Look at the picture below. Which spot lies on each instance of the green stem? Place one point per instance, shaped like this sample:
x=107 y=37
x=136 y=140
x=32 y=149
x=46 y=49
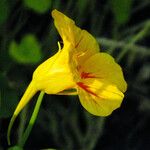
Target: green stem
x=134 y=39
x=121 y=44
x=22 y=123
x=32 y=120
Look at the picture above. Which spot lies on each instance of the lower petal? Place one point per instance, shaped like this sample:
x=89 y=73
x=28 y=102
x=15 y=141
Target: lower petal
x=107 y=98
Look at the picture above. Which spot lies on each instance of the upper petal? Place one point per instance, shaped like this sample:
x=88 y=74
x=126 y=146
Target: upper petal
x=104 y=68
x=86 y=47
x=66 y=27
x=84 y=44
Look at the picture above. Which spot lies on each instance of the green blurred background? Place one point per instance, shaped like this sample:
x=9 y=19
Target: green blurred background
x=28 y=37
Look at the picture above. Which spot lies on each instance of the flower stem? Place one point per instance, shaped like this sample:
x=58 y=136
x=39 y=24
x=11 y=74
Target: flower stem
x=134 y=39
x=23 y=120
x=32 y=120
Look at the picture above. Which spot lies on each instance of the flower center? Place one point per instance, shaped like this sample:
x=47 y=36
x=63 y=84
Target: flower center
x=85 y=75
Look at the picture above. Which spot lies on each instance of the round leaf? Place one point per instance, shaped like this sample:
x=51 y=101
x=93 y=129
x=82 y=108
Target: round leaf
x=15 y=148
x=39 y=6
x=27 y=52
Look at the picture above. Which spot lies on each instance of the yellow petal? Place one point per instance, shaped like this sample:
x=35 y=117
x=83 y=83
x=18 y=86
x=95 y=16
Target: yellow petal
x=54 y=75
x=99 y=98
x=66 y=27
x=86 y=47
x=104 y=68
x=83 y=42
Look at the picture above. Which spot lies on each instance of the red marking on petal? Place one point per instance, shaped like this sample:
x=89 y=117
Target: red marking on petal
x=85 y=75
x=86 y=88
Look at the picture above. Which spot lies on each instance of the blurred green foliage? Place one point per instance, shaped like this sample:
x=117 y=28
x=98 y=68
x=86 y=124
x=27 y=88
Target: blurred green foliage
x=122 y=10
x=4 y=11
x=8 y=108
x=39 y=6
x=28 y=37
x=15 y=148
x=27 y=52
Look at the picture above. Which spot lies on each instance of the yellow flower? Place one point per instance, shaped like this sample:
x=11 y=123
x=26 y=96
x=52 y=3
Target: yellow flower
x=99 y=79
x=79 y=65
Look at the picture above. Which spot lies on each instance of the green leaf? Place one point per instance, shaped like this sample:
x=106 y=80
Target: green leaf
x=8 y=102
x=121 y=10
x=39 y=6
x=4 y=10
x=27 y=52
x=15 y=148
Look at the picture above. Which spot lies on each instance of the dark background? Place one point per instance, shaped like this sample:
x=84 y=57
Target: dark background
x=122 y=28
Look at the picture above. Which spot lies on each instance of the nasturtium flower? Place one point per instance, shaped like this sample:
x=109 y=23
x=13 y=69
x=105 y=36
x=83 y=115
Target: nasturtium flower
x=79 y=64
